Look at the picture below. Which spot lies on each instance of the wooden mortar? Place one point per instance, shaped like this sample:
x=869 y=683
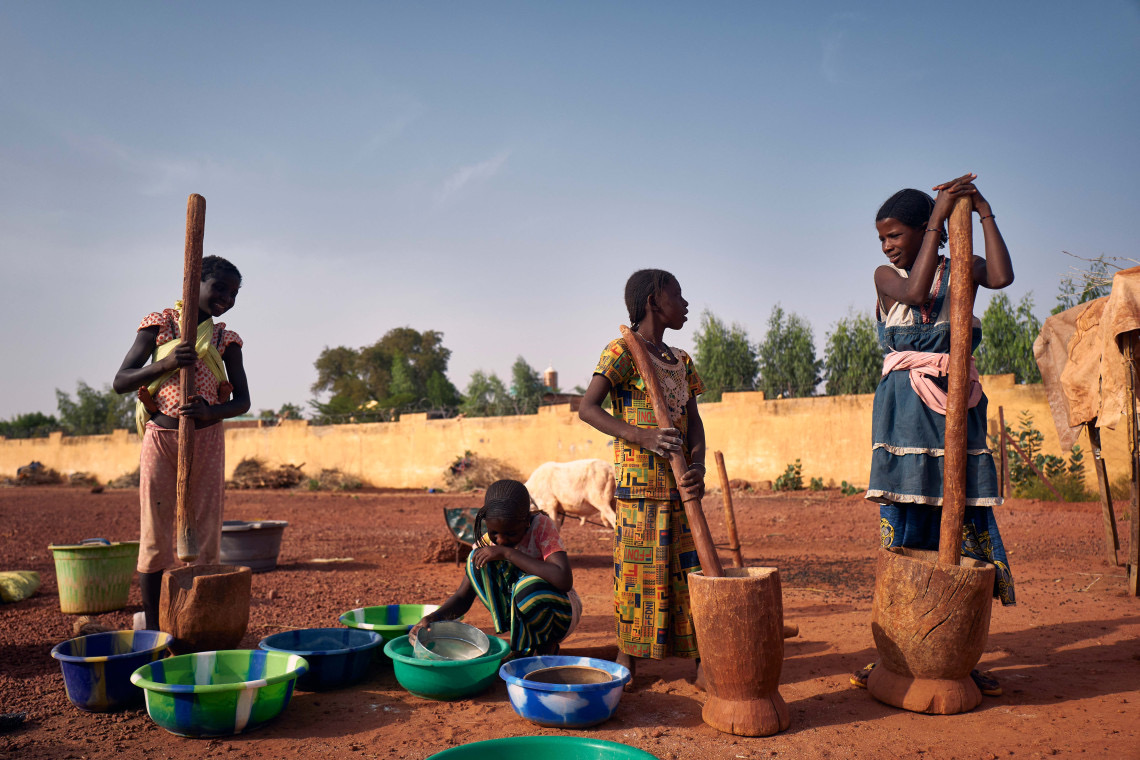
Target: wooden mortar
x=739 y=620
x=931 y=612
x=205 y=607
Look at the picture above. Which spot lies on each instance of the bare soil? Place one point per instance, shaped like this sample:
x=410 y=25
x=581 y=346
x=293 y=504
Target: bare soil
x=1068 y=655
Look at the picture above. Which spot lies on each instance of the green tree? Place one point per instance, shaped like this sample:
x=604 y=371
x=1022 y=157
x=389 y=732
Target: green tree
x=1079 y=287
x=852 y=357
x=286 y=412
x=526 y=387
x=788 y=367
x=393 y=372
x=726 y=360
x=1007 y=339
x=95 y=412
x=486 y=396
x=30 y=425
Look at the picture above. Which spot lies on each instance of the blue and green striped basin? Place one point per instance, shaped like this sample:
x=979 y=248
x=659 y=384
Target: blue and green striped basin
x=97 y=668
x=529 y=747
x=218 y=693
x=388 y=620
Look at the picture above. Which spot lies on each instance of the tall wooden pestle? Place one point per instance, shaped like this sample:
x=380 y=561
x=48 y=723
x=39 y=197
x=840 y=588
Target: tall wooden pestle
x=191 y=285
x=958 y=390
x=706 y=552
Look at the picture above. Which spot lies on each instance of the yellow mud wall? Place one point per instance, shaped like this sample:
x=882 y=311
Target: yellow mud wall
x=830 y=435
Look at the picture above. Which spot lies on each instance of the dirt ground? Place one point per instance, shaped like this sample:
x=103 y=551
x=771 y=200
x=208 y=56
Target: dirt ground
x=1068 y=655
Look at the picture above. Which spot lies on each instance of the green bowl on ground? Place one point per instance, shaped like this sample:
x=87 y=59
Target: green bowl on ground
x=445 y=679
x=218 y=693
x=530 y=747
x=388 y=620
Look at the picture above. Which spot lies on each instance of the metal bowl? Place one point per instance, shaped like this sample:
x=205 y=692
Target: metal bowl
x=450 y=640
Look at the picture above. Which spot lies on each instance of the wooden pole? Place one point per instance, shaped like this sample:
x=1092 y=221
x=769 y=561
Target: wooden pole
x=191 y=285
x=1003 y=473
x=958 y=389
x=729 y=514
x=1131 y=349
x=706 y=552
x=1111 y=541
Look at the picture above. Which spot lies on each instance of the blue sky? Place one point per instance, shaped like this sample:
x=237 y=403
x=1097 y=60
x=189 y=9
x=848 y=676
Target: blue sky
x=496 y=170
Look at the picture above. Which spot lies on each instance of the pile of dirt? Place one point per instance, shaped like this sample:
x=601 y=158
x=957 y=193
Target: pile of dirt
x=35 y=474
x=129 y=480
x=472 y=471
x=82 y=479
x=252 y=473
x=444 y=550
x=335 y=480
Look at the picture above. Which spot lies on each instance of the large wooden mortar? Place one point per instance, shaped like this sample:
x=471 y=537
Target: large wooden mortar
x=930 y=622
x=739 y=621
x=205 y=607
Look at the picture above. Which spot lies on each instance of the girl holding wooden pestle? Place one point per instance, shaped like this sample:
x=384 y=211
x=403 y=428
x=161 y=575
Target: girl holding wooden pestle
x=215 y=354
x=653 y=546
x=909 y=416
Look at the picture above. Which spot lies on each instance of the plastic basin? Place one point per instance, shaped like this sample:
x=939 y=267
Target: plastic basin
x=531 y=747
x=94 y=575
x=218 y=693
x=445 y=679
x=388 y=620
x=563 y=705
x=254 y=544
x=97 y=668
x=336 y=656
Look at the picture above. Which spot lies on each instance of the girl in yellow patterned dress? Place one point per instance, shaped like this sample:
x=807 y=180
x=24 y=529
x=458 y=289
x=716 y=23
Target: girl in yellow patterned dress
x=653 y=547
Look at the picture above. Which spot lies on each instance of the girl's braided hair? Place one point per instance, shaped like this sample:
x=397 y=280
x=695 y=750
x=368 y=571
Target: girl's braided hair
x=912 y=208
x=505 y=500
x=639 y=287
x=213 y=266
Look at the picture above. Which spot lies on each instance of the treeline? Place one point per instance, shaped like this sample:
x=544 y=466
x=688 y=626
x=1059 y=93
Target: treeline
x=406 y=370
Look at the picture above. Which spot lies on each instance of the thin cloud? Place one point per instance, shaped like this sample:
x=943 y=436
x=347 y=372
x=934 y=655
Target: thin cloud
x=156 y=175
x=830 y=65
x=391 y=131
x=465 y=175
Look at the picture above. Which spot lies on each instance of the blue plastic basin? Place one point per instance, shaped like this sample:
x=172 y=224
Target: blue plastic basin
x=337 y=657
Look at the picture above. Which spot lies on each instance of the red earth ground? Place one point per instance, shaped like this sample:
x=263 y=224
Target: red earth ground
x=1068 y=655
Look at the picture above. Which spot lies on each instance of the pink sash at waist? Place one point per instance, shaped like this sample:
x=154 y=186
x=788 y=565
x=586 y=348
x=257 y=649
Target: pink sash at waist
x=924 y=367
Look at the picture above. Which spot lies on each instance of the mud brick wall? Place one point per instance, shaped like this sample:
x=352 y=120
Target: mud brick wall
x=830 y=435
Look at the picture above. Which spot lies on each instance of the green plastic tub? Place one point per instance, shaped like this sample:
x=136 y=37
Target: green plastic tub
x=94 y=575
x=218 y=693
x=389 y=620
x=530 y=747
x=445 y=679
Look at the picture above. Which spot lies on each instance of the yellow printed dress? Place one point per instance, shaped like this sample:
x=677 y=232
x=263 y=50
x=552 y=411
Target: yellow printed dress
x=653 y=547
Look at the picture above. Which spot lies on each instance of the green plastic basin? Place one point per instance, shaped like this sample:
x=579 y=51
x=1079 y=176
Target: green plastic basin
x=388 y=620
x=530 y=747
x=445 y=679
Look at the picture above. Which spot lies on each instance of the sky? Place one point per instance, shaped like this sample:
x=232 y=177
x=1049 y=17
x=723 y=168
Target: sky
x=496 y=170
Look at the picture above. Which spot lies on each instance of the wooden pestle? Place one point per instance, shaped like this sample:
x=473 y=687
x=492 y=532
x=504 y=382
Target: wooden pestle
x=706 y=552
x=958 y=391
x=729 y=513
x=191 y=285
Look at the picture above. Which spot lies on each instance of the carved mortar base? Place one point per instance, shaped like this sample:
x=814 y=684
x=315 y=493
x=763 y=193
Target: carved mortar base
x=739 y=621
x=205 y=607
x=930 y=624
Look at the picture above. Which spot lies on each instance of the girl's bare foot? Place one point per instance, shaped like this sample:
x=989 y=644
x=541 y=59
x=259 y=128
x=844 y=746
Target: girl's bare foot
x=699 y=681
x=630 y=662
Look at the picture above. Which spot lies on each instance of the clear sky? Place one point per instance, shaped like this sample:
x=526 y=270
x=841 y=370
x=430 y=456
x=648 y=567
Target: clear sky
x=496 y=170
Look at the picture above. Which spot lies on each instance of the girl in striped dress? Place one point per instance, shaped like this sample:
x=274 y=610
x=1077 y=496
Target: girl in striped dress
x=520 y=571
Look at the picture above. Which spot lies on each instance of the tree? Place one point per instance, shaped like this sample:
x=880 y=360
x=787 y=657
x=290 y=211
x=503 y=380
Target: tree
x=1007 y=339
x=852 y=357
x=526 y=387
x=30 y=425
x=788 y=367
x=1082 y=286
x=725 y=359
x=95 y=412
x=286 y=412
x=486 y=396
x=394 y=372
